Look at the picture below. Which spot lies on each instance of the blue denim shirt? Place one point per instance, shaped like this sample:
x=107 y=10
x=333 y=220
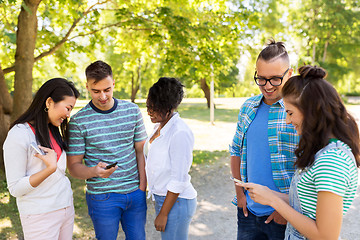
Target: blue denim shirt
x=283 y=141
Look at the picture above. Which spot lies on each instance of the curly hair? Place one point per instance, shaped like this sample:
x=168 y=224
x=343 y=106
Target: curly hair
x=323 y=112
x=165 y=95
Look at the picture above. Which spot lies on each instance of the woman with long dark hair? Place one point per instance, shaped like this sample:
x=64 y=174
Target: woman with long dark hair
x=37 y=180
x=324 y=185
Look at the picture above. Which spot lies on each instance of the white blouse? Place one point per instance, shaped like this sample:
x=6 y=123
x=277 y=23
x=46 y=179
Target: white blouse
x=169 y=159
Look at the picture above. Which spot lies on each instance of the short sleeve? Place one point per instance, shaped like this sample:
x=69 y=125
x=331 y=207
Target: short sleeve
x=140 y=132
x=331 y=173
x=76 y=139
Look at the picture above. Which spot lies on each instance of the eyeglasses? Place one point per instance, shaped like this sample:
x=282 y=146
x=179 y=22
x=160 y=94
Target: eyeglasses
x=274 y=81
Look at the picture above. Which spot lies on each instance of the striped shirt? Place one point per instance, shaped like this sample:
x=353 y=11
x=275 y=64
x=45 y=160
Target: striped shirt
x=108 y=136
x=333 y=171
x=282 y=137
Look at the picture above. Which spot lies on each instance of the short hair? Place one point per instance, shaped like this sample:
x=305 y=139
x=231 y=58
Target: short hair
x=324 y=114
x=56 y=89
x=165 y=95
x=273 y=51
x=98 y=71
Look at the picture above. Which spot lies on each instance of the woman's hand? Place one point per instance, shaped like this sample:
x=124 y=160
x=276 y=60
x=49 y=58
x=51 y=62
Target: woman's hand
x=259 y=193
x=50 y=158
x=160 y=222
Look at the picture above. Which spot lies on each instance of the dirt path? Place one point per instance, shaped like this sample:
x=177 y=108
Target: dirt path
x=215 y=217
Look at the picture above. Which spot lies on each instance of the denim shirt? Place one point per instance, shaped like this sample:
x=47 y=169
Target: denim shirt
x=283 y=141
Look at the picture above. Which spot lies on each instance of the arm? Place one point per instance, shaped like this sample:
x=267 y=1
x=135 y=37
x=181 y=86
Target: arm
x=141 y=164
x=240 y=195
x=50 y=160
x=78 y=170
x=328 y=212
x=180 y=152
x=161 y=219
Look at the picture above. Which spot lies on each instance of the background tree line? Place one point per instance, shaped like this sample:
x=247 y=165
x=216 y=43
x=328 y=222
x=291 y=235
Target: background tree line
x=194 y=40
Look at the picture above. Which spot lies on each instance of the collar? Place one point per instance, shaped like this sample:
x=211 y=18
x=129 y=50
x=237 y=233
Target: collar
x=169 y=124
x=258 y=100
x=102 y=111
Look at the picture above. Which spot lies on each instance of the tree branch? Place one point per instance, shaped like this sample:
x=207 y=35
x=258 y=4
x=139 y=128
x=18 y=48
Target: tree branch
x=64 y=39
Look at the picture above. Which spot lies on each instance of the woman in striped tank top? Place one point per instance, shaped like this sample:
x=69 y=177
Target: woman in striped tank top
x=325 y=183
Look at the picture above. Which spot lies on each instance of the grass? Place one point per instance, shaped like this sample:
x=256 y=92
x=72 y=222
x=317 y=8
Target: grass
x=200 y=112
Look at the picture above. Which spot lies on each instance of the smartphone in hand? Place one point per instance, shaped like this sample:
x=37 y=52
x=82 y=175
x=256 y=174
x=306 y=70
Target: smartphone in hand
x=111 y=165
x=36 y=148
x=236 y=180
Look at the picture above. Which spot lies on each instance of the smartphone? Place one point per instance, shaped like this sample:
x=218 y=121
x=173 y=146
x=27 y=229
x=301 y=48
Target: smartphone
x=111 y=165
x=236 y=180
x=36 y=148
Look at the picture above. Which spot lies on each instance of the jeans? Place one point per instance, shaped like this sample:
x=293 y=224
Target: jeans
x=179 y=218
x=255 y=228
x=108 y=209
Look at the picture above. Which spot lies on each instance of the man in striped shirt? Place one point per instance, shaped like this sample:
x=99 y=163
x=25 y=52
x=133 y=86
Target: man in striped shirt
x=263 y=146
x=110 y=131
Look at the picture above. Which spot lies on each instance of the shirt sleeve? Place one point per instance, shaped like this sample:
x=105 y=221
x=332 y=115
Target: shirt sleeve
x=235 y=146
x=140 y=132
x=331 y=174
x=15 y=159
x=76 y=139
x=180 y=151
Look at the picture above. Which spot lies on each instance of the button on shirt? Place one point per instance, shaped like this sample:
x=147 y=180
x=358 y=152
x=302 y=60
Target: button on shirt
x=169 y=158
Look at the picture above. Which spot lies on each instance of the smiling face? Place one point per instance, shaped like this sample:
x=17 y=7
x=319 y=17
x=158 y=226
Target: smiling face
x=269 y=70
x=58 y=112
x=102 y=92
x=293 y=115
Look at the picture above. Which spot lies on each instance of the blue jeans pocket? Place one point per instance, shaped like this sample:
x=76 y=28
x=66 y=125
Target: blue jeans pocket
x=99 y=197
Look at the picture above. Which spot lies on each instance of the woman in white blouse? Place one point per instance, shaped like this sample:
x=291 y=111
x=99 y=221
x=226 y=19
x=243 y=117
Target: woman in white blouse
x=168 y=156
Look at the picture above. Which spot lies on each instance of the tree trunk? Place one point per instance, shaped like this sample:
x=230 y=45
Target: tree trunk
x=206 y=90
x=134 y=88
x=325 y=50
x=5 y=110
x=24 y=56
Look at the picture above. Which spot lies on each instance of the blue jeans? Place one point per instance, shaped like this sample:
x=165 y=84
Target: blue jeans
x=108 y=209
x=255 y=228
x=179 y=218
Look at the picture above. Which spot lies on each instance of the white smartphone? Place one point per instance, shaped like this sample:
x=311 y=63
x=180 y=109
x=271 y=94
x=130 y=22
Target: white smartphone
x=36 y=148
x=236 y=180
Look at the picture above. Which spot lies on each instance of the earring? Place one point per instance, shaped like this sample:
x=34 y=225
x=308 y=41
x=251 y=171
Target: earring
x=46 y=109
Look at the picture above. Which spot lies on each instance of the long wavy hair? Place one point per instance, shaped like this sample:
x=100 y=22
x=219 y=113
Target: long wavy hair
x=324 y=115
x=56 y=89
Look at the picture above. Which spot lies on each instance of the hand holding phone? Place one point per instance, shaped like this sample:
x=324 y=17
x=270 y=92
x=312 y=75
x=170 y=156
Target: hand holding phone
x=236 y=180
x=36 y=148
x=111 y=165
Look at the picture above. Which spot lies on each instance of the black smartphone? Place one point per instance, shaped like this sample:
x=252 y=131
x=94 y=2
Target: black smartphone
x=111 y=165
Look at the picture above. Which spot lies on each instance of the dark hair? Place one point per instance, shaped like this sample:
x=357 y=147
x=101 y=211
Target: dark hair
x=165 y=95
x=98 y=71
x=273 y=51
x=323 y=112
x=56 y=89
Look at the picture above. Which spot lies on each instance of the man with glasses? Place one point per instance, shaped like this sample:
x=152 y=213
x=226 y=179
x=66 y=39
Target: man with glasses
x=263 y=146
